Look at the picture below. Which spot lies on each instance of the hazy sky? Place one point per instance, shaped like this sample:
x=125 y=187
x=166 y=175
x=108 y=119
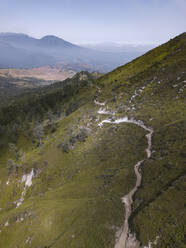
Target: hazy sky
x=88 y=21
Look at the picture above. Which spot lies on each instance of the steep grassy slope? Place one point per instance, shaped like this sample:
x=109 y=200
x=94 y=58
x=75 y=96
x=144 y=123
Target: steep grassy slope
x=152 y=89
x=81 y=170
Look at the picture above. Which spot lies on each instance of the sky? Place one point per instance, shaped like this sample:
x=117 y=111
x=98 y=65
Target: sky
x=94 y=21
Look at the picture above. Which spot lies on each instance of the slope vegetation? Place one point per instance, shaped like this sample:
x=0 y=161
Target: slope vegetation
x=68 y=153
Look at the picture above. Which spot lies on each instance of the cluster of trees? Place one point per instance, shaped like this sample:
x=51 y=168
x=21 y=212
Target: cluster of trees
x=81 y=136
x=24 y=116
x=35 y=104
x=12 y=164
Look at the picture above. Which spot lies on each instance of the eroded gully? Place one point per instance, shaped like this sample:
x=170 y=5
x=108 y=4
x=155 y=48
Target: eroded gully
x=124 y=237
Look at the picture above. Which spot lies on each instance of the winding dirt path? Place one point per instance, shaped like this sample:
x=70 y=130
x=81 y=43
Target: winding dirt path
x=125 y=239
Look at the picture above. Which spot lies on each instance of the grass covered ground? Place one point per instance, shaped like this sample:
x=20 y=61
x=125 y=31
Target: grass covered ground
x=81 y=171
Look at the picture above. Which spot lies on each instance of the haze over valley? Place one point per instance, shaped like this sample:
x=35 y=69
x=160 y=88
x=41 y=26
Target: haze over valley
x=23 y=51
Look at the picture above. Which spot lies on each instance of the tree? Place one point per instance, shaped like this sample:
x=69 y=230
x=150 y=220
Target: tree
x=12 y=167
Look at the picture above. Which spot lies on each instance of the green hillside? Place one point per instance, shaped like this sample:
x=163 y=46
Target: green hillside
x=63 y=174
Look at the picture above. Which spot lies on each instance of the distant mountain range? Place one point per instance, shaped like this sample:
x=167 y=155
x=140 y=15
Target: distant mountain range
x=23 y=51
x=115 y=47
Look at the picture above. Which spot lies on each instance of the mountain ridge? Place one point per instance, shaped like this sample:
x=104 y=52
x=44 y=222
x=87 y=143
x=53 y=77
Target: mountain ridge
x=52 y=50
x=54 y=40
